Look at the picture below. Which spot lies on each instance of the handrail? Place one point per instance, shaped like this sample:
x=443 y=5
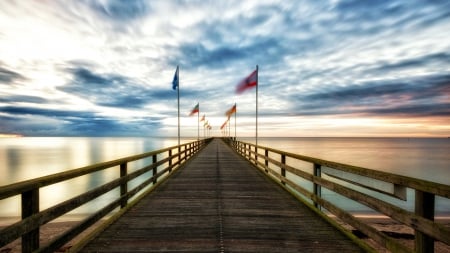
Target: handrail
x=422 y=220
x=33 y=218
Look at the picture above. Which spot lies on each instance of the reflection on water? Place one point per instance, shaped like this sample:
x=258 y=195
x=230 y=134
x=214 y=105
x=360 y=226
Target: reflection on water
x=424 y=158
x=27 y=158
x=32 y=157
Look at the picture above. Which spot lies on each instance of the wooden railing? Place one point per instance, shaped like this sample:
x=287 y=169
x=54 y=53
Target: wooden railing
x=33 y=218
x=342 y=179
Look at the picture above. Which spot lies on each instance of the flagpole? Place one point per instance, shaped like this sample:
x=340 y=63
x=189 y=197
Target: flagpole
x=229 y=126
x=178 y=91
x=257 y=84
x=235 y=112
x=198 y=122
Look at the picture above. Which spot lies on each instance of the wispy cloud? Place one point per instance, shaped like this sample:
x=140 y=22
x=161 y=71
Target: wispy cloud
x=8 y=76
x=74 y=68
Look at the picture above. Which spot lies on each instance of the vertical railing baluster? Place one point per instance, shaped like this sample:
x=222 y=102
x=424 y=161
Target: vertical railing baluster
x=170 y=160
x=179 y=155
x=283 y=170
x=30 y=206
x=256 y=155
x=317 y=188
x=155 y=170
x=266 y=160
x=424 y=207
x=124 y=185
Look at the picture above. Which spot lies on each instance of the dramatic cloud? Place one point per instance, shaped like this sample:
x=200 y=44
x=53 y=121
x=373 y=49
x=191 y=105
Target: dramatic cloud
x=105 y=67
x=8 y=76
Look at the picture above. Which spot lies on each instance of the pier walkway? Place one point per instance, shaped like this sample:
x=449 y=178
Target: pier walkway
x=219 y=203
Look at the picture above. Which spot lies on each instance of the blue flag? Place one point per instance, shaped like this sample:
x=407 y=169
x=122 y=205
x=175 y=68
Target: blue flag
x=176 y=80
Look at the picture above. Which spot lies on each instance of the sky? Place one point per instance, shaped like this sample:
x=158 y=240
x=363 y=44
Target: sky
x=341 y=68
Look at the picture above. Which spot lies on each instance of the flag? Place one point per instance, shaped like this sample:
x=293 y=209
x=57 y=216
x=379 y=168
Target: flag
x=203 y=118
x=176 y=80
x=248 y=82
x=224 y=124
x=195 y=110
x=231 y=111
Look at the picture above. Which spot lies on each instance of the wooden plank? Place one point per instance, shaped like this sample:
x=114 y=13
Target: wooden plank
x=220 y=203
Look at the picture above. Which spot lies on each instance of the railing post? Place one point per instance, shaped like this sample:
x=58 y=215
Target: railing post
x=256 y=155
x=283 y=170
x=123 y=186
x=317 y=187
x=30 y=206
x=424 y=207
x=170 y=160
x=155 y=170
x=266 y=160
x=179 y=155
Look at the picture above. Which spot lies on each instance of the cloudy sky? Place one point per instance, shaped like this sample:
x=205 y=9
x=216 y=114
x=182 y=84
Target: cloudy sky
x=326 y=68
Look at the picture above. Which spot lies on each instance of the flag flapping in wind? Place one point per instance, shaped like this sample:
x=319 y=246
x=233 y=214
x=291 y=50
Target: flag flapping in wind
x=248 y=82
x=203 y=118
x=231 y=111
x=224 y=124
x=176 y=80
x=195 y=110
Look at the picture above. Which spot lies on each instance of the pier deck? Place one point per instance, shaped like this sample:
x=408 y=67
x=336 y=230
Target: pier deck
x=219 y=203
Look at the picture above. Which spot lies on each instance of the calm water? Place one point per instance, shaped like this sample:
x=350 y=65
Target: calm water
x=26 y=158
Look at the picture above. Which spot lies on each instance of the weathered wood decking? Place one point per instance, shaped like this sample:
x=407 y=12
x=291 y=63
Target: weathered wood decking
x=219 y=203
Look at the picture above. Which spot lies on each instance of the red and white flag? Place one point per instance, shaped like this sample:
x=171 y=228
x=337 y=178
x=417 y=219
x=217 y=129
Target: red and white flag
x=248 y=82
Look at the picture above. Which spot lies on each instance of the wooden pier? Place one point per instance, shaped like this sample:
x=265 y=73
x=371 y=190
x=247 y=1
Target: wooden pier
x=224 y=195
x=219 y=203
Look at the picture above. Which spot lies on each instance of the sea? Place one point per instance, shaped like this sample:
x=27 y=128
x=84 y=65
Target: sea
x=26 y=158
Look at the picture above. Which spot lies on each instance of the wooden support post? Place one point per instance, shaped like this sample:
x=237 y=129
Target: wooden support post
x=179 y=155
x=170 y=160
x=317 y=187
x=155 y=170
x=123 y=186
x=256 y=155
x=30 y=206
x=283 y=170
x=266 y=160
x=424 y=206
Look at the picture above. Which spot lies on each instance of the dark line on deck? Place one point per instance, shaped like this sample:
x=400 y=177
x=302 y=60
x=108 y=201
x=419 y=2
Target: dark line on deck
x=220 y=203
